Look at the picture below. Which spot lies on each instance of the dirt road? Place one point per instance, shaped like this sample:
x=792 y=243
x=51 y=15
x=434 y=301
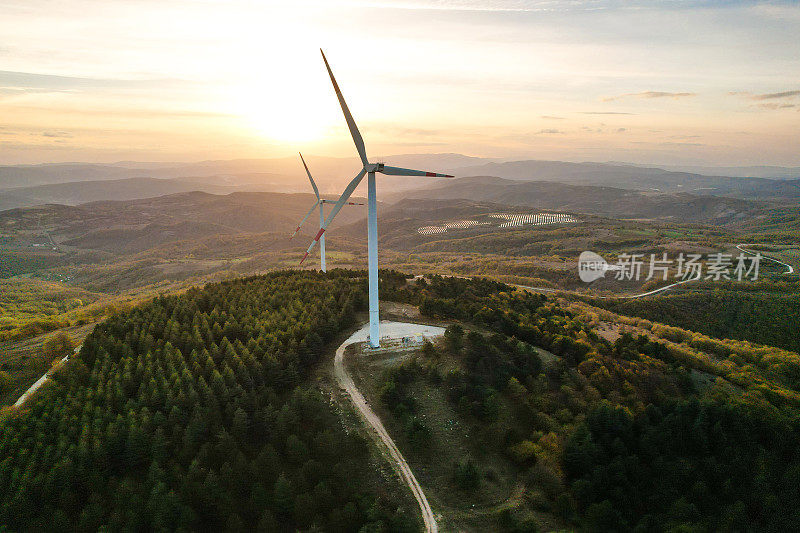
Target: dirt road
x=33 y=388
x=391 y=330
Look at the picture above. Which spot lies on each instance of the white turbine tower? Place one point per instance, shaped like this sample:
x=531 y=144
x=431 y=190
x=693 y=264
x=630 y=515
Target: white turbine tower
x=372 y=227
x=320 y=202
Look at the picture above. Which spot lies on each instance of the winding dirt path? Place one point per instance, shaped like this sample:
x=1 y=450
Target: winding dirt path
x=41 y=381
x=789 y=268
x=391 y=330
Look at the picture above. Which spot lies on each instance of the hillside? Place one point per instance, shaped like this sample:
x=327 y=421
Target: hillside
x=210 y=410
x=605 y=201
x=580 y=419
x=766 y=314
x=74 y=193
x=31 y=175
x=198 y=413
x=127 y=249
x=219 y=227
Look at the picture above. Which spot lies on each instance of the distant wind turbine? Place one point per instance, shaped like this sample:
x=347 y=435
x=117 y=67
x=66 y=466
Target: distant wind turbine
x=320 y=202
x=372 y=227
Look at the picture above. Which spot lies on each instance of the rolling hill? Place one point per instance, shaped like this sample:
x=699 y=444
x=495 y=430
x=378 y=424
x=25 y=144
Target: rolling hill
x=80 y=192
x=146 y=240
x=205 y=419
x=605 y=201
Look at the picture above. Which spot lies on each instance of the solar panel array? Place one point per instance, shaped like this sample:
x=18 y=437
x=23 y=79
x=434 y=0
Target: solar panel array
x=511 y=220
x=458 y=224
x=539 y=219
x=431 y=230
x=461 y=224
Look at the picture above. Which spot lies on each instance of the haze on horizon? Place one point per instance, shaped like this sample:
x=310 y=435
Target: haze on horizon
x=663 y=82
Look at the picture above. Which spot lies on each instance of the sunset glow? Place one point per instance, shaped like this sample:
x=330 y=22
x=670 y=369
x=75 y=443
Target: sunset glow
x=649 y=82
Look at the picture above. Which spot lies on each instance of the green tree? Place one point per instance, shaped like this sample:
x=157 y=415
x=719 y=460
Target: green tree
x=58 y=346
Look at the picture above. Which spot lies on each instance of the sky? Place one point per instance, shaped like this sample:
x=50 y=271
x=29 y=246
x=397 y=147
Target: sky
x=661 y=82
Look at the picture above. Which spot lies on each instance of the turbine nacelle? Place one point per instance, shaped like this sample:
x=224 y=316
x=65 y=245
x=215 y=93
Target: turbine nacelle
x=382 y=168
x=324 y=201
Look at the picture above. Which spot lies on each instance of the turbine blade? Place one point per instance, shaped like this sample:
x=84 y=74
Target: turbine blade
x=304 y=219
x=314 y=185
x=336 y=208
x=397 y=171
x=357 y=139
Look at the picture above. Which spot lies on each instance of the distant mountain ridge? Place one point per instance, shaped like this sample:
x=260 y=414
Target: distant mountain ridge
x=604 y=201
x=752 y=171
x=80 y=192
x=636 y=178
x=30 y=175
x=75 y=183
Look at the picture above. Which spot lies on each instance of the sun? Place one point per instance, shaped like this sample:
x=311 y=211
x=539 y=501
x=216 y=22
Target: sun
x=290 y=108
x=280 y=115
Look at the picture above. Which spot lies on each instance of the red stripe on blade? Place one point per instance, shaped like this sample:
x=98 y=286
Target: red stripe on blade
x=431 y=174
x=304 y=258
x=321 y=231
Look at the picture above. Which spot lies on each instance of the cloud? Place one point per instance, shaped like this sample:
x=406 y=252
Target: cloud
x=773 y=105
x=604 y=113
x=549 y=131
x=10 y=145
x=126 y=112
x=768 y=96
x=28 y=81
x=772 y=96
x=56 y=134
x=552 y=6
x=649 y=94
x=603 y=129
x=667 y=143
x=410 y=132
x=419 y=144
x=16 y=91
x=550 y=117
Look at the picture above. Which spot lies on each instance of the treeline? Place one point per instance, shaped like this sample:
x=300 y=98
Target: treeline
x=766 y=319
x=194 y=413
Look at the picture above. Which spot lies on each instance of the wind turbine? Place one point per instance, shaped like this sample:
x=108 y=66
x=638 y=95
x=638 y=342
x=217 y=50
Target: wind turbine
x=372 y=216
x=320 y=202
